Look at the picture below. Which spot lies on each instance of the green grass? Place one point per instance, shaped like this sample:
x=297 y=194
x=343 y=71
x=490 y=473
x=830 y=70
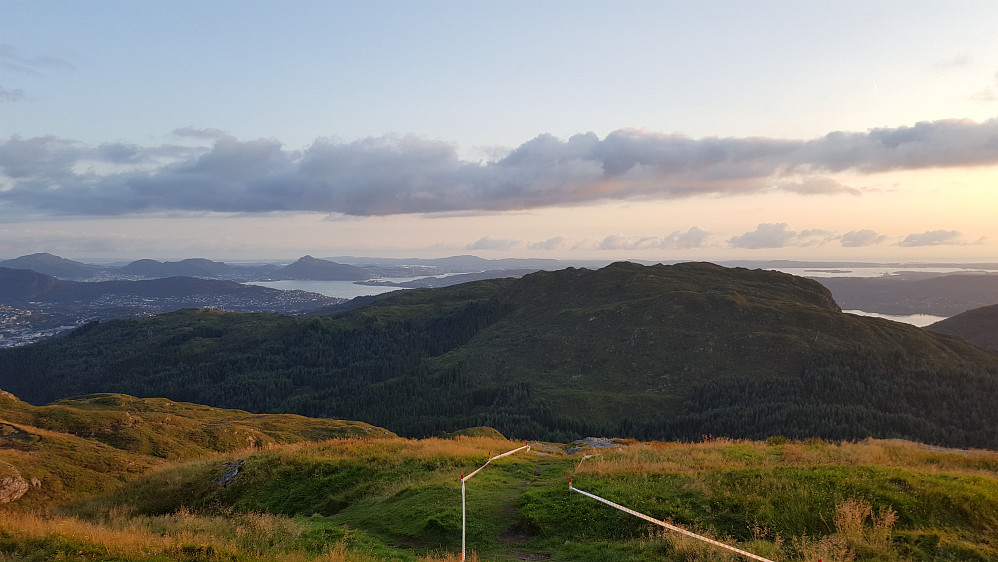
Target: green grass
x=361 y=498
x=786 y=499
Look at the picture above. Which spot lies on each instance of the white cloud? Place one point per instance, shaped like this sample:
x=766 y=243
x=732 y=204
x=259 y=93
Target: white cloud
x=933 y=238
x=766 y=235
x=549 y=244
x=987 y=94
x=814 y=237
x=958 y=61
x=619 y=242
x=490 y=243
x=692 y=238
x=860 y=238
x=816 y=186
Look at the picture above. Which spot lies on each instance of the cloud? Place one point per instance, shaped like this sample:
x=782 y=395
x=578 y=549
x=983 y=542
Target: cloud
x=619 y=242
x=816 y=186
x=987 y=94
x=209 y=133
x=11 y=95
x=780 y=235
x=11 y=59
x=958 y=61
x=340 y=217
x=933 y=238
x=814 y=237
x=408 y=174
x=490 y=243
x=766 y=235
x=692 y=238
x=860 y=238
x=549 y=244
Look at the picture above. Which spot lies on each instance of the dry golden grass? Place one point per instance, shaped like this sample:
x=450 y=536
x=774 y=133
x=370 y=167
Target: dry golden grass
x=850 y=521
x=729 y=454
x=120 y=534
x=391 y=449
x=133 y=541
x=858 y=529
x=827 y=549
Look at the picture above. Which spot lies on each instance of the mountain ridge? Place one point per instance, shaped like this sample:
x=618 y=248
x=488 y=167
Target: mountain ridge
x=978 y=325
x=662 y=352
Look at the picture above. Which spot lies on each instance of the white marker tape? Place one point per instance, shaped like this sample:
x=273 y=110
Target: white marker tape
x=666 y=525
x=464 y=511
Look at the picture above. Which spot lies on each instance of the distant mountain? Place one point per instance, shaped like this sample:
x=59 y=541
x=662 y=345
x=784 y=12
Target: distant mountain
x=53 y=265
x=944 y=295
x=321 y=270
x=663 y=352
x=195 y=267
x=979 y=325
x=448 y=280
x=466 y=263
x=19 y=287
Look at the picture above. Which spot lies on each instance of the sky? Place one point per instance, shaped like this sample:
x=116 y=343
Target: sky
x=660 y=130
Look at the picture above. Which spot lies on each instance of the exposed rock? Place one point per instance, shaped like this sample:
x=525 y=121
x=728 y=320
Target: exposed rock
x=597 y=442
x=12 y=485
x=12 y=488
x=229 y=476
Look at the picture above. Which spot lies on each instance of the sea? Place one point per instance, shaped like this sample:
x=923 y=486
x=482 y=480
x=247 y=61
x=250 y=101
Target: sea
x=340 y=289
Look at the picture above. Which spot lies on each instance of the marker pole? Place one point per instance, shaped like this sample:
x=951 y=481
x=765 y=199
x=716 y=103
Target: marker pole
x=464 y=512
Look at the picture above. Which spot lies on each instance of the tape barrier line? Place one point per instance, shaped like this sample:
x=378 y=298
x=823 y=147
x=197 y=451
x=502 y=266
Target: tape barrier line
x=666 y=525
x=466 y=478
x=464 y=511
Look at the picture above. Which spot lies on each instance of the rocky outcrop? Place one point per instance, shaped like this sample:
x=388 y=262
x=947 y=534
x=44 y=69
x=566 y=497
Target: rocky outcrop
x=231 y=471
x=13 y=485
x=12 y=488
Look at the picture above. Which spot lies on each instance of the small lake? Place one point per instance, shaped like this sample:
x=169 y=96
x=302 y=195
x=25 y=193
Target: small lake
x=873 y=271
x=920 y=320
x=341 y=289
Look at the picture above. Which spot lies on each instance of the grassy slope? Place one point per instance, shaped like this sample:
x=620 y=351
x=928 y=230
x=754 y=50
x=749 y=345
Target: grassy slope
x=81 y=446
x=360 y=498
x=395 y=499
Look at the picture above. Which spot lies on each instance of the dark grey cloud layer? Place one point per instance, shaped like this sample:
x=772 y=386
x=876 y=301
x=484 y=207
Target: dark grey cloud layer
x=390 y=175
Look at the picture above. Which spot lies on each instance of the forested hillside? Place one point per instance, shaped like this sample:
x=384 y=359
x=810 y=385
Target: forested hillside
x=941 y=295
x=660 y=352
x=979 y=325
